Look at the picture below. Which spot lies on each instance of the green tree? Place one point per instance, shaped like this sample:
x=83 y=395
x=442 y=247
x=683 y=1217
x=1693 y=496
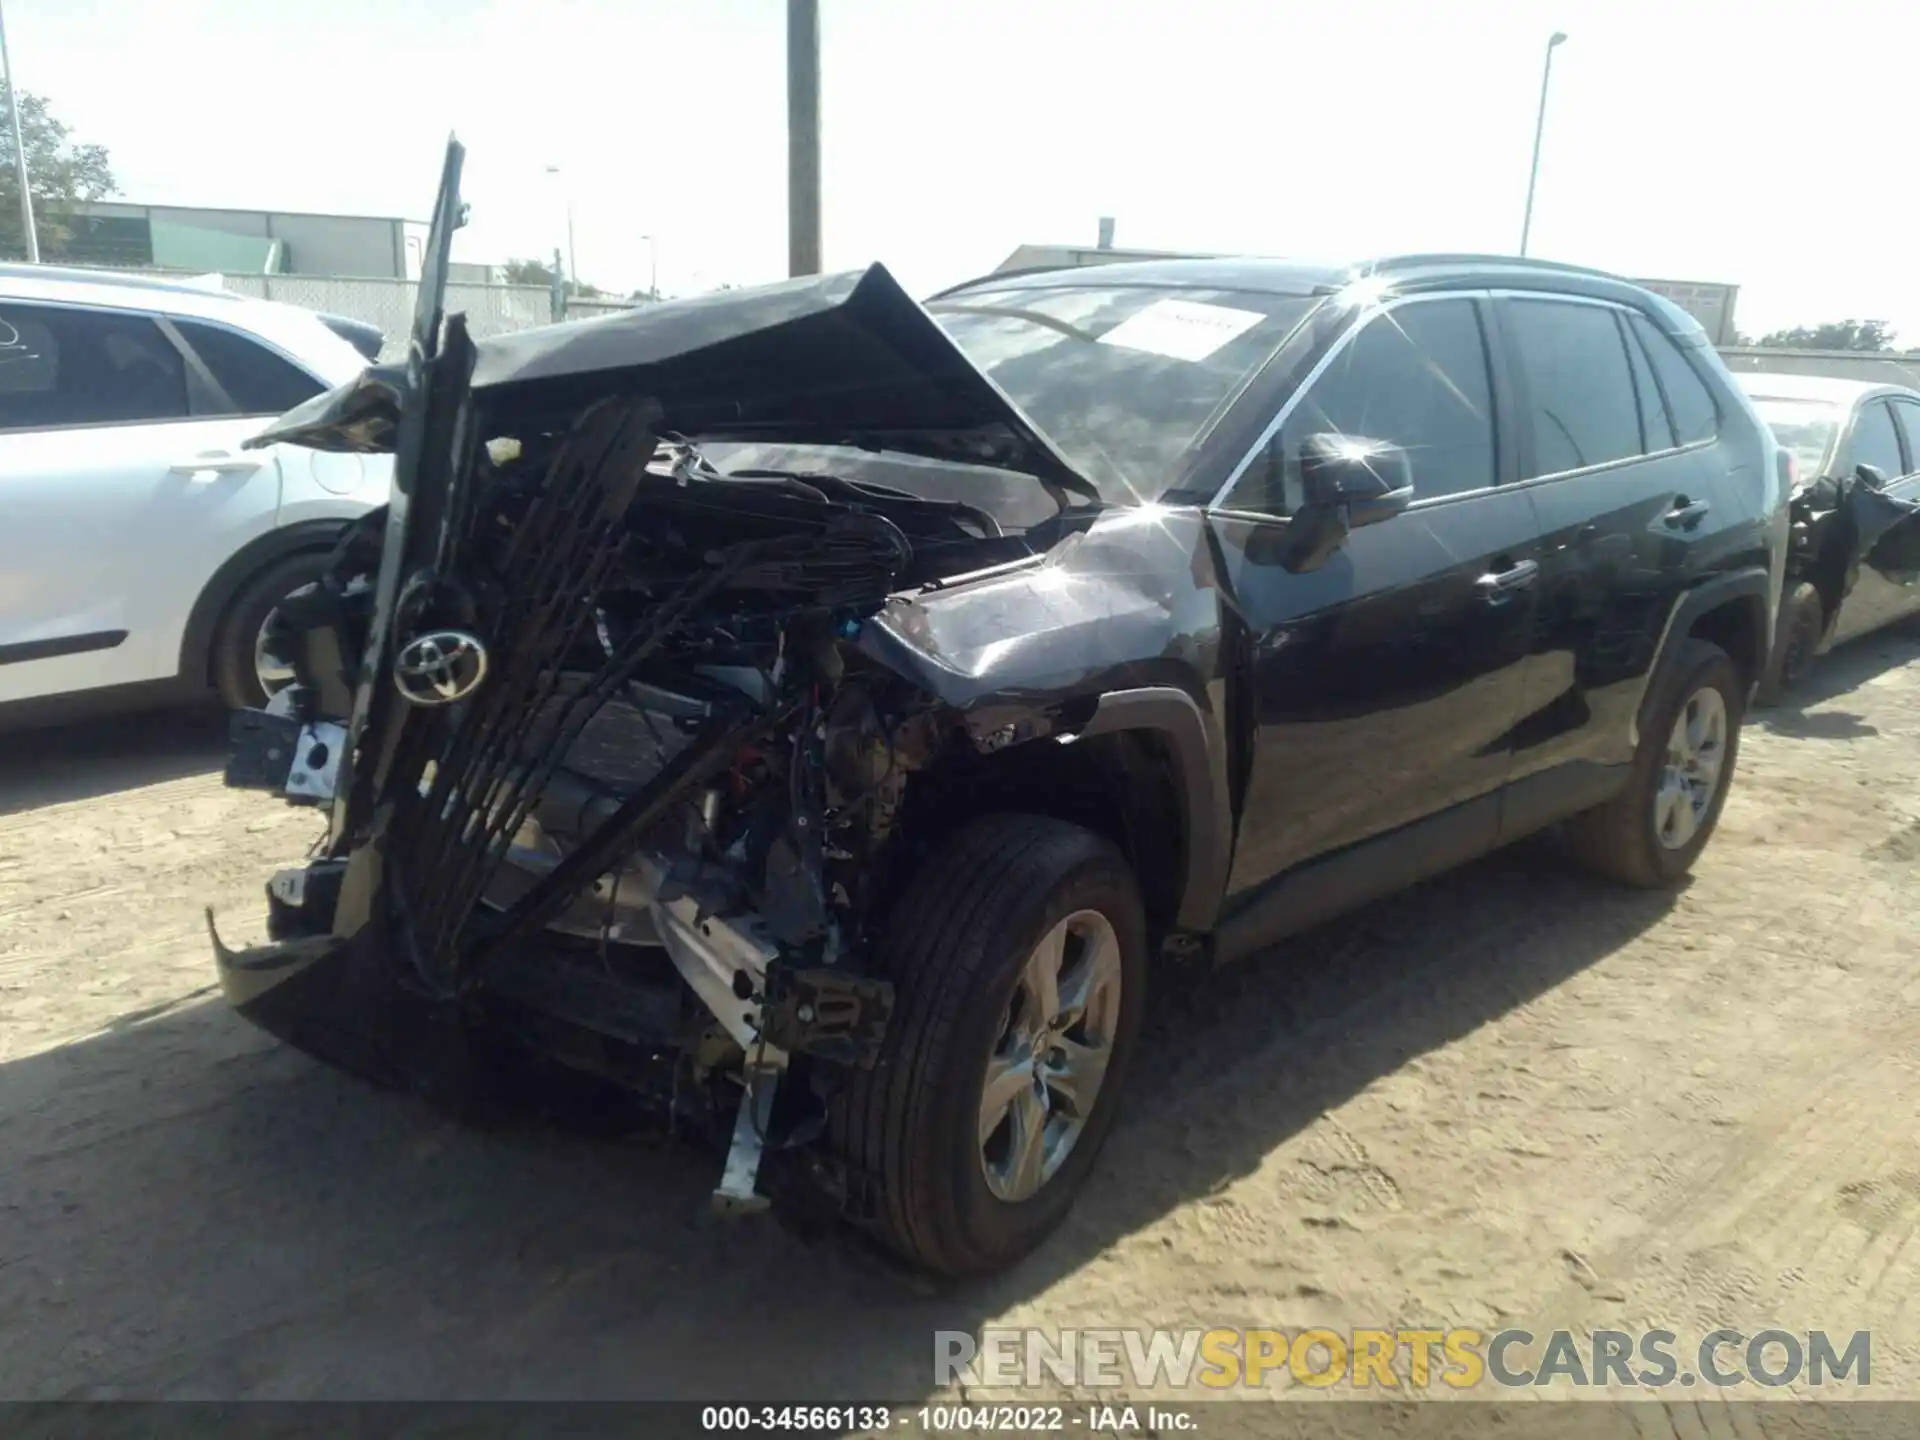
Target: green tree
x=60 y=174
x=1834 y=335
x=538 y=272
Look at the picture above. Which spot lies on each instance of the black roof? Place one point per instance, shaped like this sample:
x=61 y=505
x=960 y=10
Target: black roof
x=1409 y=274
x=1280 y=277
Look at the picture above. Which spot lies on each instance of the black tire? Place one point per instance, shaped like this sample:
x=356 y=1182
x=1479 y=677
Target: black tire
x=955 y=945
x=1618 y=840
x=232 y=667
x=1796 y=636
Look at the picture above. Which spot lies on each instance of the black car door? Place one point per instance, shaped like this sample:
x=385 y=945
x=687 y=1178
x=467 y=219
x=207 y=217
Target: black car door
x=1618 y=452
x=1384 y=683
x=1872 y=599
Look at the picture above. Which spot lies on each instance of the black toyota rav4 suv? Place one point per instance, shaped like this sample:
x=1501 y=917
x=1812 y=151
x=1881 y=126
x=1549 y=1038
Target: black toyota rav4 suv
x=830 y=715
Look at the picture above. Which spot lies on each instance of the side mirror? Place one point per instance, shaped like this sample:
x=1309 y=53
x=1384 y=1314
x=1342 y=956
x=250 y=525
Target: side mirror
x=1345 y=482
x=1871 y=476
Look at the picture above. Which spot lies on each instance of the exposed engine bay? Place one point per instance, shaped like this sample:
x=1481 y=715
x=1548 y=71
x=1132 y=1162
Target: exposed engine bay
x=641 y=745
x=615 y=763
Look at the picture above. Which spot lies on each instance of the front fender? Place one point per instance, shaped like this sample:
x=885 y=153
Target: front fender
x=1117 y=628
x=1193 y=737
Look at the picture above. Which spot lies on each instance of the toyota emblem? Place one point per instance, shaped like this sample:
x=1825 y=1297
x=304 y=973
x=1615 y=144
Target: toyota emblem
x=440 y=667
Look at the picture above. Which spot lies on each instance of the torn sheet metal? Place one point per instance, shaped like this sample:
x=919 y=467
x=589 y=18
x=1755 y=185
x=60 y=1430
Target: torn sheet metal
x=880 y=374
x=1853 y=523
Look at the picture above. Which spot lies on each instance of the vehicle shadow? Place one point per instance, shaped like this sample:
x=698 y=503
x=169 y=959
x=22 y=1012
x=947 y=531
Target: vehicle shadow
x=191 y=1211
x=1833 y=675
x=91 y=758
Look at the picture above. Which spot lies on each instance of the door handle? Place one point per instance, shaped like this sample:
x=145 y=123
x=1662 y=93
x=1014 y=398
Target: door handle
x=1496 y=585
x=1686 y=513
x=203 y=468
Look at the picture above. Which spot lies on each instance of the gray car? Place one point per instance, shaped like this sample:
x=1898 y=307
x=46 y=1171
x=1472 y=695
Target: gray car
x=1856 y=448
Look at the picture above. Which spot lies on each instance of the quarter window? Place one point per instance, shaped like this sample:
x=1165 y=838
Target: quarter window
x=1579 y=386
x=1415 y=377
x=1875 y=441
x=1695 y=417
x=258 y=381
x=61 y=368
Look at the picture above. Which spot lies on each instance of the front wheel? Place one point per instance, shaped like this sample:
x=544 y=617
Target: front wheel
x=1650 y=833
x=252 y=654
x=1019 y=957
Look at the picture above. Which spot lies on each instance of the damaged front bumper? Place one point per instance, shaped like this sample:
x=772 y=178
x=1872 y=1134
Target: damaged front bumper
x=340 y=1000
x=341 y=977
x=427 y=721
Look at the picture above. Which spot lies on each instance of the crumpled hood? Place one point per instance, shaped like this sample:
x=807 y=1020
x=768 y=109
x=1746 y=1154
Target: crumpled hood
x=847 y=359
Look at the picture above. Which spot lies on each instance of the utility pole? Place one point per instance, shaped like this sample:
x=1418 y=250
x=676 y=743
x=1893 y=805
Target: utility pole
x=803 y=137
x=19 y=151
x=1554 y=42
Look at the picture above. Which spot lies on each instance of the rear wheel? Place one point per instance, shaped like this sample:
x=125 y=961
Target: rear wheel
x=1796 y=636
x=1019 y=957
x=1651 y=832
x=251 y=656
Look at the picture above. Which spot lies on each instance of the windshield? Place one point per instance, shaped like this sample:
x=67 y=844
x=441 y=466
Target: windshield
x=1123 y=379
x=1805 y=427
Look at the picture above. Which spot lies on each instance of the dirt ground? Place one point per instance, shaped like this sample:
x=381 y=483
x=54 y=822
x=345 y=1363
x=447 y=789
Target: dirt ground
x=1511 y=1097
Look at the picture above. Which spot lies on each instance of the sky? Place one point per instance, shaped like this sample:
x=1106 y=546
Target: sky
x=1765 y=146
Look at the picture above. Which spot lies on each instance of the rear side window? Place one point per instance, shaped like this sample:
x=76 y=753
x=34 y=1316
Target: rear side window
x=258 y=381
x=1695 y=417
x=1579 y=386
x=1875 y=441
x=1417 y=378
x=1908 y=413
x=63 y=368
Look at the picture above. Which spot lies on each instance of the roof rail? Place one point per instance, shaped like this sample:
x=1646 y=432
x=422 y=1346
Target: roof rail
x=1467 y=257
x=1131 y=258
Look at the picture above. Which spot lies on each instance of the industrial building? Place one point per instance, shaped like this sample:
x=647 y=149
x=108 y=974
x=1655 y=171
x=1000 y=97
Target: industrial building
x=258 y=242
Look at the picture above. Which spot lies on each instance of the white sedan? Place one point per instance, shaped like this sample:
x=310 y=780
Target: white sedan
x=143 y=551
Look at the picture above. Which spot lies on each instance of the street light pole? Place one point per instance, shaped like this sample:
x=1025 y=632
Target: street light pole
x=573 y=266
x=1554 y=42
x=19 y=151
x=803 y=137
x=653 y=268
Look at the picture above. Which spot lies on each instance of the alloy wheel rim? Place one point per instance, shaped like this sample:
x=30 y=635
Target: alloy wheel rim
x=1690 y=777
x=1050 y=1055
x=272 y=671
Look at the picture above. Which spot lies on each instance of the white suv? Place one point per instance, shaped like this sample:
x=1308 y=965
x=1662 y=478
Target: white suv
x=142 y=550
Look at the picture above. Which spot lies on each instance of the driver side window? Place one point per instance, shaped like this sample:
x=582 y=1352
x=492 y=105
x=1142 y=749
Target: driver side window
x=1875 y=441
x=1415 y=377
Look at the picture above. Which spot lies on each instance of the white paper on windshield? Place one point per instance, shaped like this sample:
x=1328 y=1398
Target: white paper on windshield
x=1181 y=329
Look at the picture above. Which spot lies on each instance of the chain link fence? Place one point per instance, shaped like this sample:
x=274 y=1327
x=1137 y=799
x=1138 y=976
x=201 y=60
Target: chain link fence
x=388 y=304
